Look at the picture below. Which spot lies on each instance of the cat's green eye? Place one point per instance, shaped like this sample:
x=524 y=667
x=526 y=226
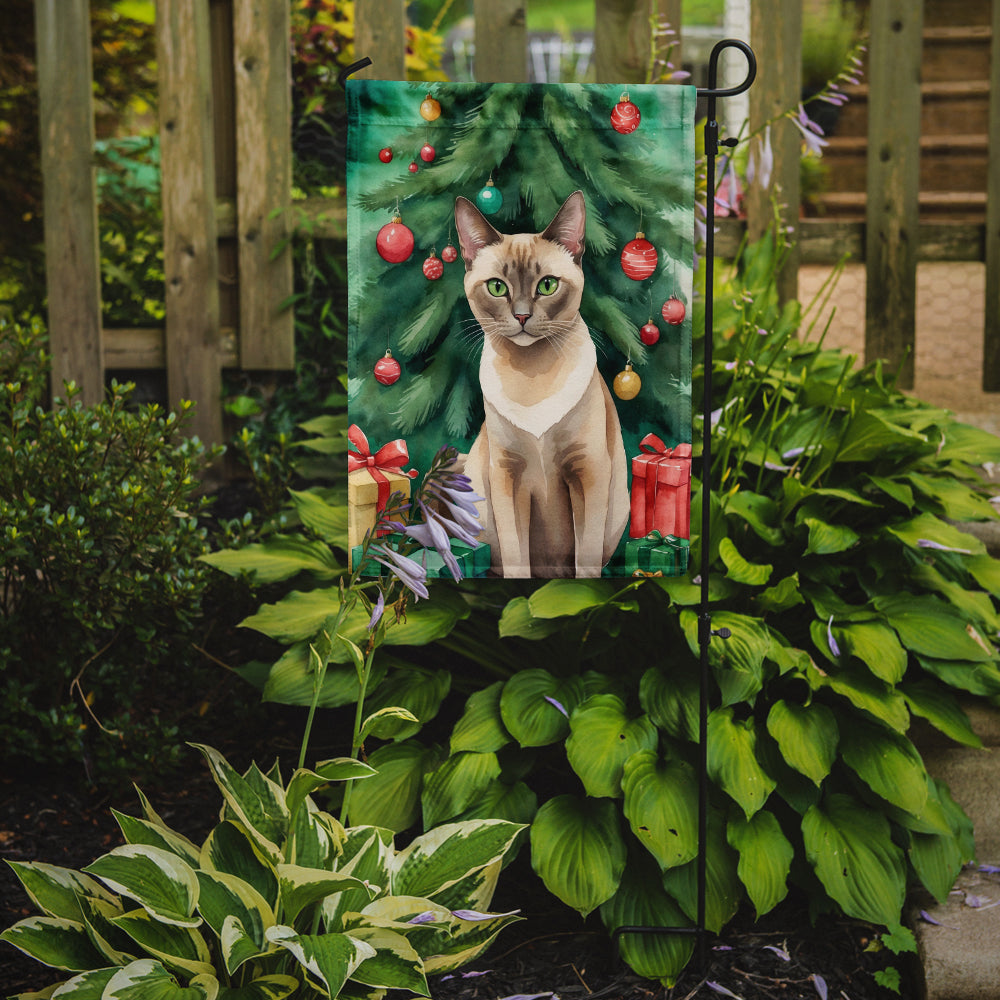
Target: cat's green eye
x=496 y=288
x=548 y=285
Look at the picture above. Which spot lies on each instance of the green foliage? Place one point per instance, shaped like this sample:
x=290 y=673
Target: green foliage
x=279 y=899
x=101 y=587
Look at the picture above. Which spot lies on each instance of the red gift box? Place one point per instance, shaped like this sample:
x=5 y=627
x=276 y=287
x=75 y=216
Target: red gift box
x=661 y=489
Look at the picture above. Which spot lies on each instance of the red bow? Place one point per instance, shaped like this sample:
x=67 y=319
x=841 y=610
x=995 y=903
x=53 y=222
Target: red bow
x=390 y=457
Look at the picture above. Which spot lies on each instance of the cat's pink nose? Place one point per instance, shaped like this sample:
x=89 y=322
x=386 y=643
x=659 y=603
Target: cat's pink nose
x=522 y=318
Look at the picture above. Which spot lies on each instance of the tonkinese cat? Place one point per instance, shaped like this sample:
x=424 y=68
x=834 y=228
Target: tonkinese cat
x=549 y=459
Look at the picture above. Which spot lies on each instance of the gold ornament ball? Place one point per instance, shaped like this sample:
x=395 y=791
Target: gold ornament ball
x=430 y=109
x=627 y=383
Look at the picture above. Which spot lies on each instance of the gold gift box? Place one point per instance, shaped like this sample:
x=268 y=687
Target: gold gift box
x=362 y=501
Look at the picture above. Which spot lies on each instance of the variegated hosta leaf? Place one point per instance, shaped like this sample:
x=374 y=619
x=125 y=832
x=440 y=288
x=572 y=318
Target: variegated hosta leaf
x=395 y=964
x=888 y=763
x=602 y=737
x=56 y=891
x=315 y=838
x=642 y=902
x=765 y=858
x=456 y=784
x=230 y=849
x=367 y=853
x=441 y=857
x=535 y=706
x=256 y=801
x=159 y=881
x=177 y=947
x=225 y=897
x=732 y=760
x=850 y=847
x=274 y=987
x=481 y=727
x=304 y=782
x=723 y=889
x=87 y=986
x=141 y=831
x=328 y=959
x=578 y=851
x=807 y=736
x=54 y=941
x=467 y=941
x=661 y=805
x=300 y=887
x=147 y=979
x=116 y=946
x=476 y=890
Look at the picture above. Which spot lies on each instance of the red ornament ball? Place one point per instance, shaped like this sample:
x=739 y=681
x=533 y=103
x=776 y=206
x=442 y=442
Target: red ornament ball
x=639 y=258
x=427 y=153
x=674 y=311
x=449 y=254
x=649 y=334
x=387 y=369
x=394 y=241
x=413 y=168
x=625 y=116
x=433 y=268
x=385 y=155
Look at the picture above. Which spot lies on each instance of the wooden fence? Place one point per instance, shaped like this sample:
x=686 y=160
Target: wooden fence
x=226 y=161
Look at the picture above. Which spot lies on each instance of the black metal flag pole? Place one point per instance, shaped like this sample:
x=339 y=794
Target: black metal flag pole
x=705 y=631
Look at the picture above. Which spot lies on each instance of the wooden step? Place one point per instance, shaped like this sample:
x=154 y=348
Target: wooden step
x=947 y=162
x=958 y=206
x=940 y=13
x=956 y=53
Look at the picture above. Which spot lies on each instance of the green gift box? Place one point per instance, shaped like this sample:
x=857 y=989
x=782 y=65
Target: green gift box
x=473 y=560
x=656 y=553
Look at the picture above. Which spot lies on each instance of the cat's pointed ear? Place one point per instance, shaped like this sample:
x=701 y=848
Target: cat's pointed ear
x=474 y=232
x=569 y=226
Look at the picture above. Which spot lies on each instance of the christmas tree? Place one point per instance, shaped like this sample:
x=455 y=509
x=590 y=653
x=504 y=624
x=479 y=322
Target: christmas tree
x=517 y=151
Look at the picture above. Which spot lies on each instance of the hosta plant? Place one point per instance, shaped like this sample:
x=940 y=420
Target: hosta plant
x=279 y=900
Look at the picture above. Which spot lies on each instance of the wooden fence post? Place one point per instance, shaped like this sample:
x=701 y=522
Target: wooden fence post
x=622 y=37
x=501 y=41
x=262 y=61
x=72 y=255
x=991 y=331
x=776 y=35
x=893 y=183
x=190 y=251
x=380 y=34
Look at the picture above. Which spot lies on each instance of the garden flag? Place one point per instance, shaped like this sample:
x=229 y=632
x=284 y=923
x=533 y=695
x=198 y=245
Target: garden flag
x=520 y=262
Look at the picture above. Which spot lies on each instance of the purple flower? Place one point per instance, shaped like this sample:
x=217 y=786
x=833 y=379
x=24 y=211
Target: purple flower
x=377 y=612
x=780 y=952
x=927 y=543
x=761 y=163
x=834 y=648
x=475 y=915
x=559 y=705
x=719 y=988
x=409 y=572
x=427 y=917
x=811 y=132
x=820 y=983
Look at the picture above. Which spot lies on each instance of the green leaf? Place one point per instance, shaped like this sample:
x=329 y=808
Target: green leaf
x=279 y=558
x=640 y=901
x=325 y=519
x=870 y=436
x=828 y=539
x=481 y=728
x=976 y=678
x=391 y=798
x=807 y=736
x=224 y=897
x=560 y=598
x=417 y=690
x=937 y=859
x=141 y=831
x=517 y=620
x=765 y=858
x=738 y=569
x=330 y=959
x=957 y=501
x=147 y=979
x=86 y=986
x=527 y=711
x=738 y=662
x=385 y=723
x=163 y=884
x=661 y=798
x=304 y=782
x=456 y=784
x=783 y=595
x=180 y=948
x=578 y=851
x=54 y=941
x=941 y=709
x=932 y=628
x=758 y=511
x=986 y=571
x=602 y=738
x=888 y=763
x=395 y=964
x=866 y=692
x=876 y=646
x=274 y=987
x=440 y=858
x=723 y=889
x=516 y=803
x=301 y=887
x=56 y=891
x=292 y=680
x=732 y=760
x=671 y=700
x=230 y=849
x=850 y=848
x=927 y=527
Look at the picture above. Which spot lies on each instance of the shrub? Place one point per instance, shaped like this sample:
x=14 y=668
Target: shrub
x=99 y=541
x=280 y=899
